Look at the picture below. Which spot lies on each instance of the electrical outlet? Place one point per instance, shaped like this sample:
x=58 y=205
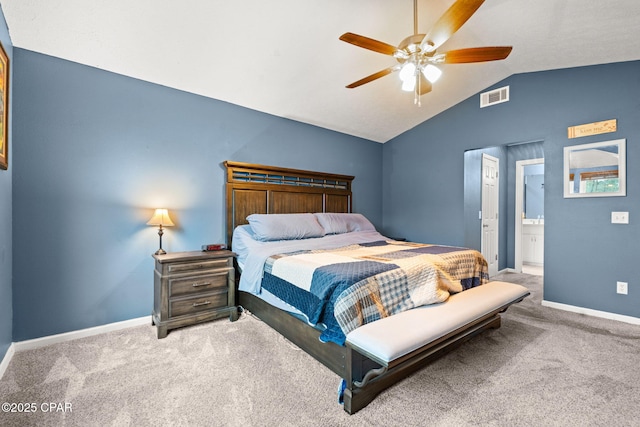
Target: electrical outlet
x=619 y=217
x=622 y=287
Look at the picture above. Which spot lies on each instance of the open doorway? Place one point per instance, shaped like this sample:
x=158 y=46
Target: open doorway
x=529 y=218
x=508 y=155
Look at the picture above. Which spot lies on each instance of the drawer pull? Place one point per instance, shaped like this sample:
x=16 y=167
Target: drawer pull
x=197 y=285
x=198 y=304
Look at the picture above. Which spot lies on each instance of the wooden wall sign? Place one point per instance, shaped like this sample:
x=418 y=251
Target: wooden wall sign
x=593 y=128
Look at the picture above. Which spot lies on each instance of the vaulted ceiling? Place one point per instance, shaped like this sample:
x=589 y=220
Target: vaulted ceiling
x=284 y=57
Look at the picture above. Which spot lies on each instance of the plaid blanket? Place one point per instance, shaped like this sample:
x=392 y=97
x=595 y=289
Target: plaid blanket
x=350 y=286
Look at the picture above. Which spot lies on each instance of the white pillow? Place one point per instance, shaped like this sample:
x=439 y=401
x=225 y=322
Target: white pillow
x=267 y=227
x=337 y=223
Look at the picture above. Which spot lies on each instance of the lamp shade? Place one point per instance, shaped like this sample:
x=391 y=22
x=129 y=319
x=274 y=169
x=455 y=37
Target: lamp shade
x=431 y=73
x=161 y=217
x=408 y=72
x=409 y=84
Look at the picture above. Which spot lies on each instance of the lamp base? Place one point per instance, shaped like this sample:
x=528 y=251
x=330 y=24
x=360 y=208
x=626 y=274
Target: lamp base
x=160 y=233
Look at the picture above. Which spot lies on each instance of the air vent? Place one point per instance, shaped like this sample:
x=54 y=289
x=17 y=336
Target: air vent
x=495 y=96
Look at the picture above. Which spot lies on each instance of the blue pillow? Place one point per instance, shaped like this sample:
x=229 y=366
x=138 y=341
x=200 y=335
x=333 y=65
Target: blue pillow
x=337 y=223
x=267 y=227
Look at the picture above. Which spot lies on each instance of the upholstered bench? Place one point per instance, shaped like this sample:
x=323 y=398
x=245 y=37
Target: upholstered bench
x=401 y=343
x=393 y=337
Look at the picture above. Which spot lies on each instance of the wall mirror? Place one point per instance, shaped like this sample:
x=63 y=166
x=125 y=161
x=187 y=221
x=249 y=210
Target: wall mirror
x=595 y=170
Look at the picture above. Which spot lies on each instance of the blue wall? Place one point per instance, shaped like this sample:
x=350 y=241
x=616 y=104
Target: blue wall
x=95 y=152
x=423 y=189
x=6 y=252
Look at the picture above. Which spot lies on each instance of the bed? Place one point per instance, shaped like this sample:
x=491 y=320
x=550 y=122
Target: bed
x=319 y=274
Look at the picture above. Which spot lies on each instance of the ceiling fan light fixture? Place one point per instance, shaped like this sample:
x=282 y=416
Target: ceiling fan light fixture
x=417 y=54
x=427 y=46
x=400 y=54
x=438 y=58
x=408 y=71
x=432 y=73
x=409 y=85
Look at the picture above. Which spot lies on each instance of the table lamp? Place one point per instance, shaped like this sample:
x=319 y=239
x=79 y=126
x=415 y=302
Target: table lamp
x=160 y=218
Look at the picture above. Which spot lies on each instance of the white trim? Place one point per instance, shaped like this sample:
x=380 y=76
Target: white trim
x=590 y=312
x=82 y=333
x=6 y=359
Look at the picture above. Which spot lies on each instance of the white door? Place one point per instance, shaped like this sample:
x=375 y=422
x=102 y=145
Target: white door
x=490 y=212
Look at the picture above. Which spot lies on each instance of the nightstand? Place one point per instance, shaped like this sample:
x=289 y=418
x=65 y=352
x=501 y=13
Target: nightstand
x=192 y=287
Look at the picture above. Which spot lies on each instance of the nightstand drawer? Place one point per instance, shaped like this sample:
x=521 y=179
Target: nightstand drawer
x=196 y=284
x=195 y=305
x=185 y=267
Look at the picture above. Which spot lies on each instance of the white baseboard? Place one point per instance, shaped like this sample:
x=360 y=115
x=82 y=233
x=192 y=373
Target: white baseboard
x=591 y=312
x=73 y=335
x=6 y=359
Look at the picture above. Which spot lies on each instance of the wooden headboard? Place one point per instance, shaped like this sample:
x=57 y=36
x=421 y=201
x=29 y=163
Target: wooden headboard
x=268 y=189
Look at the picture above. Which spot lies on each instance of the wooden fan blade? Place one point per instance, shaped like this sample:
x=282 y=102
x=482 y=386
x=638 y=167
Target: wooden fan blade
x=372 y=77
x=367 y=43
x=450 y=22
x=476 y=54
x=425 y=85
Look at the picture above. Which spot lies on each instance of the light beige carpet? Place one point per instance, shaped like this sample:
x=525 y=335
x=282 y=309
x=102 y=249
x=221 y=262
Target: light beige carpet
x=543 y=367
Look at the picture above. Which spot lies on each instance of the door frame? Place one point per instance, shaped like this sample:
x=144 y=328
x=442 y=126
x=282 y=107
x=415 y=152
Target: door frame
x=520 y=164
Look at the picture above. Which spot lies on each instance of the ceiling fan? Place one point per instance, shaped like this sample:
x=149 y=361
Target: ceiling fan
x=417 y=54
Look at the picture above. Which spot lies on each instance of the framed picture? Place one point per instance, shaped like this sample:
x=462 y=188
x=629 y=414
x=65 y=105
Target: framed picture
x=4 y=105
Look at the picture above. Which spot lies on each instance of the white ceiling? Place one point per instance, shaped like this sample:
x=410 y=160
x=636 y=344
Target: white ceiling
x=284 y=58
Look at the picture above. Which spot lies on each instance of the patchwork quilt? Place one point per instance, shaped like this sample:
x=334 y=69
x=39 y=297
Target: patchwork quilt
x=350 y=286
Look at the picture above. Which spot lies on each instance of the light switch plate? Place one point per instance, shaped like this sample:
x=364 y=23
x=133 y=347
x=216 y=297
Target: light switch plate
x=619 y=217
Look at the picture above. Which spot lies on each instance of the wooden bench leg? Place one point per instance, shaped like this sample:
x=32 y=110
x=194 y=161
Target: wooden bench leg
x=496 y=323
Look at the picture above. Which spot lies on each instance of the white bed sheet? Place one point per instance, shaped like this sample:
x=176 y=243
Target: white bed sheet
x=252 y=254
